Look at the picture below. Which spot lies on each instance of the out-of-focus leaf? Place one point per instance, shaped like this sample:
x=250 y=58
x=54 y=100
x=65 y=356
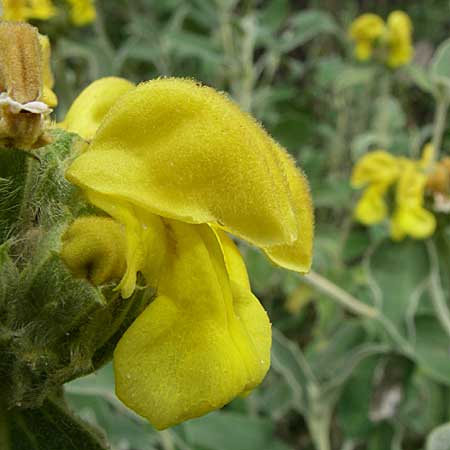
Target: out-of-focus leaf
x=273 y=16
x=354 y=404
x=231 y=431
x=50 y=427
x=289 y=361
x=432 y=349
x=424 y=405
x=439 y=438
x=304 y=26
x=440 y=65
x=351 y=76
x=397 y=269
x=93 y=399
x=362 y=143
x=421 y=78
x=356 y=244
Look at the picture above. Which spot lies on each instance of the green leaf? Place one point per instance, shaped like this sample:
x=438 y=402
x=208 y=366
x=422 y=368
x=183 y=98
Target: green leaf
x=354 y=405
x=421 y=78
x=50 y=427
x=440 y=65
x=93 y=399
x=424 y=405
x=231 y=431
x=439 y=438
x=304 y=26
x=289 y=361
x=432 y=349
x=396 y=270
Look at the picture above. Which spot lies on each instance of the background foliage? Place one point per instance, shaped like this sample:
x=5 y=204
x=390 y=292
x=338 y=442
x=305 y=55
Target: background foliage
x=343 y=376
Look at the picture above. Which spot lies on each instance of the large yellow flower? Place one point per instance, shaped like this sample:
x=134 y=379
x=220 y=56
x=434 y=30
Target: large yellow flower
x=179 y=165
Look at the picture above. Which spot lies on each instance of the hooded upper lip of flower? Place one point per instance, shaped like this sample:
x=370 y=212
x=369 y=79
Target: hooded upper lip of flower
x=178 y=164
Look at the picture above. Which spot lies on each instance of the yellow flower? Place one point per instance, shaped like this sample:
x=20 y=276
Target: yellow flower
x=365 y=30
x=23 y=10
x=410 y=217
x=82 y=12
x=399 y=31
x=393 y=38
x=178 y=165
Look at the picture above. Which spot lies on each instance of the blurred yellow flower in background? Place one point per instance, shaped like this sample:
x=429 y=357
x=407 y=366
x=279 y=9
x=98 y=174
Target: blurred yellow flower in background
x=399 y=31
x=410 y=218
x=23 y=10
x=377 y=171
x=178 y=164
x=393 y=39
x=82 y=12
x=365 y=30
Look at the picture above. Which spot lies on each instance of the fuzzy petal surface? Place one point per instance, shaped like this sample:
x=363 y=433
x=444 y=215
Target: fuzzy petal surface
x=91 y=106
x=190 y=351
x=184 y=151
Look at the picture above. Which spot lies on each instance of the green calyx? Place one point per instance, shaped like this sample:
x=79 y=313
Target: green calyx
x=54 y=327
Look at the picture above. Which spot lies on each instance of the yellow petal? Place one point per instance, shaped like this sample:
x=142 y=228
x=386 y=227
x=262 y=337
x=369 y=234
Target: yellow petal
x=47 y=96
x=92 y=105
x=371 y=208
x=82 y=12
x=363 y=50
x=416 y=222
x=41 y=9
x=411 y=187
x=378 y=167
x=183 y=151
x=367 y=27
x=189 y=352
x=427 y=157
x=247 y=308
x=297 y=255
x=399 y=39
x=14 y=10
x=145 y=241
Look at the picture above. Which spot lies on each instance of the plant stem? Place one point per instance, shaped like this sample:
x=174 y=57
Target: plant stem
x=440 y=122
x=343 y=297
x=166 y=440
x=4 y=432
x=437 y=297
x=356 y=306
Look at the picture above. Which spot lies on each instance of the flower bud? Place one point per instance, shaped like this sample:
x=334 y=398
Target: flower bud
x=94 y=249
x=21 y=85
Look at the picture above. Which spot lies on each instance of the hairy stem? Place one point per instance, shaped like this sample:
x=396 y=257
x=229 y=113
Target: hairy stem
x=343 y=297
